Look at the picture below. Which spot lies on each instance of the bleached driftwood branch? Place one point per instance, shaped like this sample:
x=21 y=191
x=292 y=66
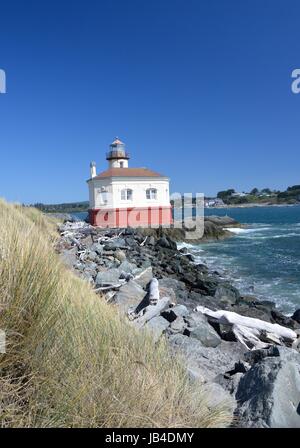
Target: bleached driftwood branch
x=143 y=242
x=251 y=332
x=111 y=286
x=105 y=239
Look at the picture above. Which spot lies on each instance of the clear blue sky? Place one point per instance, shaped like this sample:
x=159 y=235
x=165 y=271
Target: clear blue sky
x=198 y=89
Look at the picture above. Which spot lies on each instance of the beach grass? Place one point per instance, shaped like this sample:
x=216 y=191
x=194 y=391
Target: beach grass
x=71 y=360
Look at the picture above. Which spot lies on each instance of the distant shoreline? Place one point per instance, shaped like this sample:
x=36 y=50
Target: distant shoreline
x=219 y=207
x=251 y=205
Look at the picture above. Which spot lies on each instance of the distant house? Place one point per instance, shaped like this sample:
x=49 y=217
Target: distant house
x=214 y=202
x=264 y=195
x=219 y=201
x=238 y=195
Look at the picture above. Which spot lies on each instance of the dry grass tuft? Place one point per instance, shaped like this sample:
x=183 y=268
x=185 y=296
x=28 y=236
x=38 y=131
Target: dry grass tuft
x=71 y=361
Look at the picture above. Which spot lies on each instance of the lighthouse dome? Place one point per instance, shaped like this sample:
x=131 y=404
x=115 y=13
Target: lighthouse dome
x=117 y=156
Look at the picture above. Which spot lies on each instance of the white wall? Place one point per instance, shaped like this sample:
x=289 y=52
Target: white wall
x=139 y=186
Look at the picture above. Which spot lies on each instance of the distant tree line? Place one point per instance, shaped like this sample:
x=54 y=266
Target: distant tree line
x=266 y=195
x=71 y=207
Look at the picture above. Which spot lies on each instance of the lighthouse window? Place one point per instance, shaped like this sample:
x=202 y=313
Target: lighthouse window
x=151 y=193
x=126 y=194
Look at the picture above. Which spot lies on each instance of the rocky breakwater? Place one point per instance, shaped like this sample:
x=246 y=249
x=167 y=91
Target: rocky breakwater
x=243 y=350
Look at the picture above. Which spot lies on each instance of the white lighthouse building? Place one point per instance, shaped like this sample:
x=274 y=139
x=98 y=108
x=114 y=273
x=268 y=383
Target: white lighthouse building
x=127 y=197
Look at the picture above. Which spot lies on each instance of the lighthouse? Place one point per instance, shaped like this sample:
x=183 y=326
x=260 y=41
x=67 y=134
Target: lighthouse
x=122 y=196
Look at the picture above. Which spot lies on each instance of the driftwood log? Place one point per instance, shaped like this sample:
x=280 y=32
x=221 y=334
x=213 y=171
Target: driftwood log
x=153 y=292
x=252 y=333
x=143 y=242
x=155 y=306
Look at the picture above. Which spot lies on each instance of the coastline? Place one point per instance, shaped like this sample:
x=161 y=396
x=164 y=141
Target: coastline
x=121 y=264
x=219 y=228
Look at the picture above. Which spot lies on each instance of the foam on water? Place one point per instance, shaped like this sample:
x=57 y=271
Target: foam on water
x=262 y=259
x=239 y=231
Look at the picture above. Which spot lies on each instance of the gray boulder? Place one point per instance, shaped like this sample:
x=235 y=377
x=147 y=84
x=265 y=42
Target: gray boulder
x=176 y=311
x=296 y=316
x=254 y=356
x=166 y=243
x=177 y=286
x=117 y=243
x=98 y=248
x=69 y=257
x=221 y=220
x=205 y=334
x=91 y=255
x=230 y=383
x=157 y=326
x=208 y=362
x=281 y=319
x=218 y=396
x=109 y=277
x=224 y=331
x=87 y=275
x=227 y=293
x=177 y=326
x=195 y=319
x=144 y=277
x=269 y=393
x=129 y=295
x=127 y=267
x=150 y=241
x=120 y=255
x=200 y=329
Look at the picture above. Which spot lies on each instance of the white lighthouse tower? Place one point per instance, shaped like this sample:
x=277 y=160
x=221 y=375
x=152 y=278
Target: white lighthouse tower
x=127 y=197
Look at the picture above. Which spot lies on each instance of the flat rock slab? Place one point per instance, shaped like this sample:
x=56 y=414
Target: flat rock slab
x=206 y=335
x=200 y=329
x=127 y=267
x=116 y=243
x=167 y=292
x=129 y=296
x=69 y=257
x=157 y=326
x=207 y=361
x=111 y=276
x=144 y=277
x=220 y=397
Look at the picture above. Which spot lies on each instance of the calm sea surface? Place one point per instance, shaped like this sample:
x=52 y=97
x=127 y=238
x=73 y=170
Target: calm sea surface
x=262 y=260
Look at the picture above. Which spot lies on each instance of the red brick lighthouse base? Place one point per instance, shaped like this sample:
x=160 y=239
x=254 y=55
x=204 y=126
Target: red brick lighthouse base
x=131 y=217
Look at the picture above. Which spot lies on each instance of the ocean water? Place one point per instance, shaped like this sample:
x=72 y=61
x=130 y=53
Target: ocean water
x=82 y=216
x=262 y=260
